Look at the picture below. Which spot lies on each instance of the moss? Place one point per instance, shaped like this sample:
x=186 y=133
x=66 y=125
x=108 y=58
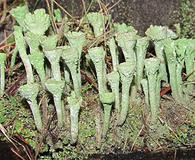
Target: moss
x=187 y=18
x=19 y=119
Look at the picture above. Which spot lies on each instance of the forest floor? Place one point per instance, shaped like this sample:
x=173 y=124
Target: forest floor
x=174 y=137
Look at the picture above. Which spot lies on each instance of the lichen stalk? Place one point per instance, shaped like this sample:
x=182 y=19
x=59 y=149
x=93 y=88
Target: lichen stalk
x=2 y=73
x=114 y=53
x=56 y=88
x=37 y=60
x=77 y=40
x=74 y=104
x=59 y=109
x=114 y=80
x=159 y=50
x=30 y=93
x=97 y=55
x=107 y=99
x=144 y=83
x=71 y=58
x=21 y=46
x=107 y=112
x=36 y=113
x=152 y=66
x=169 y=47
x=189 y=62
x=141 y=49
x=126 y=72
x=54 y=58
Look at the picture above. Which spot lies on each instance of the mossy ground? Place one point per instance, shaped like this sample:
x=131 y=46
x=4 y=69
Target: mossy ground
x=176 y=128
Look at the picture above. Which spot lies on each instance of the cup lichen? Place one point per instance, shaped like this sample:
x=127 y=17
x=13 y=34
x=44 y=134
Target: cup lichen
x=56 y=89
x=97 y=55
x=2 y=73
x=54 y=58
x=114 y=53
x=37 y=60
x=74 y=103
x=126 y=71
x=107 y=99
x=30 y=93
x=71 y=57
x=38 y=22
x=141 y=50
x=98 y=21
x=152 y=66
x=114 y=81
x=21 y=46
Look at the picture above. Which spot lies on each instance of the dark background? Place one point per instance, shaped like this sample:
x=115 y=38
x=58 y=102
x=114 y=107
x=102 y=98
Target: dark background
x=140 y=13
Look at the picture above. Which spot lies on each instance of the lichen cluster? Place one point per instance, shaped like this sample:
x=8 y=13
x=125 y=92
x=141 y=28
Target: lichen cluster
x=58 y=60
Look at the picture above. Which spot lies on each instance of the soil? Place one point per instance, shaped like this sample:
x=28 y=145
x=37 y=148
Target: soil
x=7 y=154
x=176 y=155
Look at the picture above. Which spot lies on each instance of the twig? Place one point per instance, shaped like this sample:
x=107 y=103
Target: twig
x=137 y=137
x=63 y=9
x=4 y=11
x=84 y=7
x=3 y=130
x=2 y=42
x=61 y=31
x=86 y=11
x=6 y=46
x=51 y=15
x=17 y=154
x=25 y=149
x=114 y=5
x=89 y=80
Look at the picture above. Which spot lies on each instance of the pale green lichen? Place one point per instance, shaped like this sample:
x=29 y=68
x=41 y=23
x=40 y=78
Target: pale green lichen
x=152 y=66
x=37 y=60
x=13 y=59
x=19 y=13
x=21 y=46
x=49 y=43
x=114 y=81
x=180 y=48
x=141 y=50
x=71 y=57
x=98 y=21
x=58 y=15
x=169 y=47
x=2 y=73
x=30 y=93
x=144 y=83
x=97 y=55
x=54 y=58
x=159 y=49
x=38 y=22
x=114 y=52
x=33 y=41
x=107 y=99
x=127 y=43
x=77 y=40
x=126 y=71
x=74 y=103
x=190 y=63
x=56 y=89
x=158 y=34
x=124 y=28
